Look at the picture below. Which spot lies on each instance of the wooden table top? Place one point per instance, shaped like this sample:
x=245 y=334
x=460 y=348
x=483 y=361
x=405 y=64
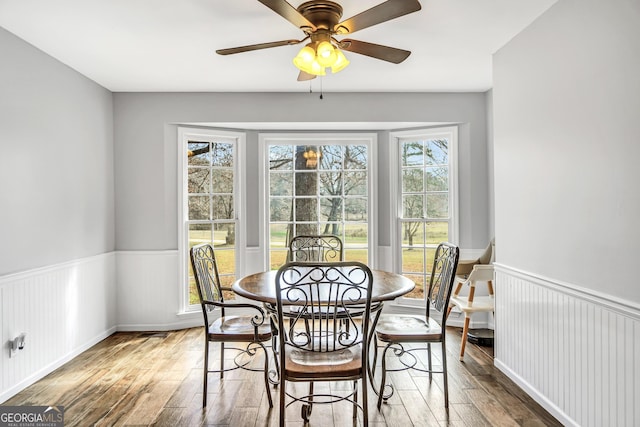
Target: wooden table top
x=261 y=286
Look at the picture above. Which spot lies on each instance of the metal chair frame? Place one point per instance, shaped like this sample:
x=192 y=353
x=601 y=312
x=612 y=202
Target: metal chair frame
x=254 y=329
x=313 y=248
x=440 y=288
x=312 y=341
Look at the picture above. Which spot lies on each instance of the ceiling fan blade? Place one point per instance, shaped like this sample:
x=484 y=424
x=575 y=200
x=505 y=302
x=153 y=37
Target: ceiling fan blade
x=288 y=12
x=378 y=51
x=305 y=76
x=258 y=46
x=383 y=12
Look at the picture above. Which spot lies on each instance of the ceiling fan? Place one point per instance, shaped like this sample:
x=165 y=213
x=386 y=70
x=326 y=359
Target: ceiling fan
x=320 y=22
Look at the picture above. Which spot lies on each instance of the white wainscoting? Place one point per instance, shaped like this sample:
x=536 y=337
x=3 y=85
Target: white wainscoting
x=64 y=309
x=149 y=293
x=574 y=350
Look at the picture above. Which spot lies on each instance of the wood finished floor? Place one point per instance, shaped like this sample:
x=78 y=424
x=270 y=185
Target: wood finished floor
x=139 y=379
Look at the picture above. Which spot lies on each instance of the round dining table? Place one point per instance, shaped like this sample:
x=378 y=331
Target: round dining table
x=261 y=287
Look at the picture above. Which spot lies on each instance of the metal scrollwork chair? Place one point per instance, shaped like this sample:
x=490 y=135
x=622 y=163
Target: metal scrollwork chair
x=253 y=329
x=325 y=247
x=314 y=347
x=397 y=330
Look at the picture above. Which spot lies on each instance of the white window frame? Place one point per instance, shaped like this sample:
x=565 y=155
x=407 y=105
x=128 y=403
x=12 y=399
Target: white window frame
x=450 y=132
x=314 y=139
x=186 y=134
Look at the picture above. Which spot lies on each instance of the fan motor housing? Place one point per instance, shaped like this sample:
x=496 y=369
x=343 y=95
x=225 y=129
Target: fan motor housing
x=322 y=14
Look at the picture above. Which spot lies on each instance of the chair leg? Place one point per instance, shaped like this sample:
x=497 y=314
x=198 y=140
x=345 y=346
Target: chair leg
x=445 y=374
x=365 y=402
x=355 y=401
x=383 y=379
x=429 y=361
x=266 y=375
x=206 y=372
x=221 y=360
x=282 y=402
x=467 y=319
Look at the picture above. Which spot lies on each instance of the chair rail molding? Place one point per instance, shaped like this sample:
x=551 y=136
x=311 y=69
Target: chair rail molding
x=574 y=350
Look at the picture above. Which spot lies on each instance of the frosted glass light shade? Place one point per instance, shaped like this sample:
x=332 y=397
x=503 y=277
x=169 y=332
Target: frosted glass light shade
x=326 y=54
x=340 y=63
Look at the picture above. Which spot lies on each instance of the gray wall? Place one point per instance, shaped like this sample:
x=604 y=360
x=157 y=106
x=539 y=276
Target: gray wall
x=566 y=104
x=56 y=161
x=146 y=162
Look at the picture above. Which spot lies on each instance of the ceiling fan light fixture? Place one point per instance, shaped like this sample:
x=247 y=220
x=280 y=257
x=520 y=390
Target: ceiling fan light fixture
x=306 y=60
x=326 y=54
x=340 y=63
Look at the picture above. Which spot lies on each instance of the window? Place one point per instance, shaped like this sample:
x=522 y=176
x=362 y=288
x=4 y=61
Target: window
x=426 y=201
x=210 y=202
x=319 y=184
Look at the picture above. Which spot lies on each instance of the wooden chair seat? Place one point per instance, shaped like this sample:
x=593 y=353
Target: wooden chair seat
x=308 y=366
x=407 y=328
x=237 y=329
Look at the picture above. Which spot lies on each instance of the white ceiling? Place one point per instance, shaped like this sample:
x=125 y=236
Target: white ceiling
x=169 y=45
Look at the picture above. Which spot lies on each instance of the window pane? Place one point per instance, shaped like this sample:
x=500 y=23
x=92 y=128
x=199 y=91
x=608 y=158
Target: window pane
x=412 y=180
x=361 y=255
x=355 y=209
x=199 y=207
x=280 y=210
x=306 y=183
x=437 y=152
x=199 y=180
x=306 y=209
x=355 y=157
x=319 y=184
x=413 y=260
x=334 y=228
x=222 y=154
x=226 y=261
x=223 y=207
x=281 y=183
x=413 y=233
x=301 y=228
x=437 y=233
x=412 y=153
x=424 y=168
x=280 y=157
x=199 y=233
x=331 y=157
x=437 y=205
x=412 y=206
x=278 y=235
x=278 y=258
x=330 y=183
x=210 y=197
x=224 y=235
x=222 y=181
x=198 y=153
x=437 y=179
x=355 y=235
x=331 y=209
x=355 y=184
x=418 y=291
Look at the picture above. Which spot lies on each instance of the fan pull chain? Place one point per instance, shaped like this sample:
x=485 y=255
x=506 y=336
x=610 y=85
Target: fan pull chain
x=321 y=97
